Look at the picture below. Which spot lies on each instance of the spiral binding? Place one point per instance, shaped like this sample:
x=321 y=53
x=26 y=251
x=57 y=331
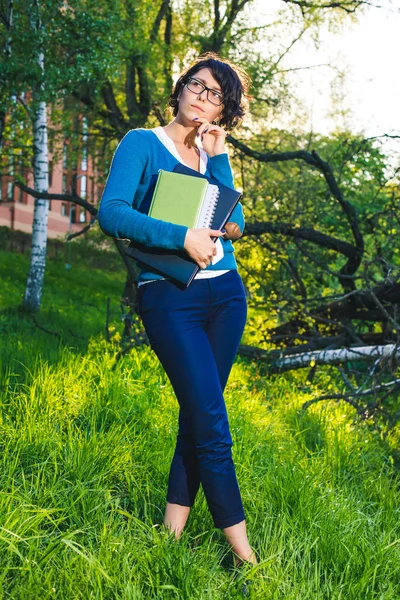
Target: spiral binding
x=211 y=206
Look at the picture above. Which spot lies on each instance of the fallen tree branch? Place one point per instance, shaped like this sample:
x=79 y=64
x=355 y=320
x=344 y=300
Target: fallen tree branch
x=333 y=357
x=347 y=397
x=53 y=333
x=76 y=335
x=362 y=307
x=278 y=361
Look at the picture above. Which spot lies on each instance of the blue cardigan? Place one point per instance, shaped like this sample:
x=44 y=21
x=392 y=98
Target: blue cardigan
x=139 y=155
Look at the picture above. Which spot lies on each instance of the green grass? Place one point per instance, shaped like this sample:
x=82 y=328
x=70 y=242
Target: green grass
x=85 y=450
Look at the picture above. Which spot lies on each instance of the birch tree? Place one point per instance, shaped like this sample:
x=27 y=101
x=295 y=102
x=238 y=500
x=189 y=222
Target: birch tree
x=34 y=285
x=321 y=268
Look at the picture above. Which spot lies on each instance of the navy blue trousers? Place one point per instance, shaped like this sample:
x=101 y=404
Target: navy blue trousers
x=195 y=334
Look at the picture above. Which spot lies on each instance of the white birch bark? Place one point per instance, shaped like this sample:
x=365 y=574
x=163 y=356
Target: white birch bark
x=332 y=357
x=34 y=285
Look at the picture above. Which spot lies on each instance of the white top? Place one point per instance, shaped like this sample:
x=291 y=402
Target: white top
x=169 y=144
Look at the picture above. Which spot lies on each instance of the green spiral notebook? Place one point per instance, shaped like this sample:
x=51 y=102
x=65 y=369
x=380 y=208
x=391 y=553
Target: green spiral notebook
x=177 y=264
x=184 y=200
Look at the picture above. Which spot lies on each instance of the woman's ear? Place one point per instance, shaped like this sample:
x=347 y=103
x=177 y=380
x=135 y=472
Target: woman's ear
x=180 y=92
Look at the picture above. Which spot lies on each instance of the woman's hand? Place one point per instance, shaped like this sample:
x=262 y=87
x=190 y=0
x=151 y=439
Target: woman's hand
x=212 y=136
x=199 y=245
x=232 y=231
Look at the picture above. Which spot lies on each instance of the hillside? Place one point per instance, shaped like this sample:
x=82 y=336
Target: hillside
x=86 y=445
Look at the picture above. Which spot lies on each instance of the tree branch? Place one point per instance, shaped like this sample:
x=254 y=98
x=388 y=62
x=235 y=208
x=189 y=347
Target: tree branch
x=64 y=197
x=349 y=6
x=278 y=361
x=304 y=233
x=314 y=160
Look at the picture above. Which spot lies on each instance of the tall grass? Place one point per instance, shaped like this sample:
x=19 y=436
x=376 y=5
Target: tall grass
x=85 y=454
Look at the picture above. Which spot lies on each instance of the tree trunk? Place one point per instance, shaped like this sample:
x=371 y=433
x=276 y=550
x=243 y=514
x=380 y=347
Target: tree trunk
x=34 y=285
x=8 y=21
x=278 y=362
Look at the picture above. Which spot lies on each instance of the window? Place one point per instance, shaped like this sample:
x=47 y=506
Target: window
x=84 y=145
x=64 y=183
x=83 y=186
x=10 y=190
x=82 y=216
x=73 y=213
x=84 y=160
x=63 y=209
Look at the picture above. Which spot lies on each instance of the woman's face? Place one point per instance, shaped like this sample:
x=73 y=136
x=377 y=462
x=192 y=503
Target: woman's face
x=195 y=104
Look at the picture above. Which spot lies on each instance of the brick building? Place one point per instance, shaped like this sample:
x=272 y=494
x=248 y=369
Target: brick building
x=16 y=206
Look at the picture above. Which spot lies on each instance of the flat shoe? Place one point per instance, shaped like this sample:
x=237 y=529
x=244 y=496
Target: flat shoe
x=240 y=573
x=246 y=587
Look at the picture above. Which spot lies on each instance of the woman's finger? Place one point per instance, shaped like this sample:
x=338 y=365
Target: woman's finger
x=202 y=127
x=205 y=124
x=217 y=131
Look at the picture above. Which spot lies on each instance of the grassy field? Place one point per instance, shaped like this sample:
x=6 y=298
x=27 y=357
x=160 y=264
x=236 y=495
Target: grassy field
x=86 y=446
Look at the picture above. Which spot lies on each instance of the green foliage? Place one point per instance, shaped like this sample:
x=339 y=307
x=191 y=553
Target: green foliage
x=85 y=454
x=280 y=271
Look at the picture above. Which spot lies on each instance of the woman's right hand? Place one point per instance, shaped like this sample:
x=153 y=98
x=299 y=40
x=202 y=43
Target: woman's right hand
x=199 y=245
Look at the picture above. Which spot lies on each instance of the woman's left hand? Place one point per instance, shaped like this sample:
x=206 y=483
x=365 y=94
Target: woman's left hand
x=232 y=231
x=212 y=136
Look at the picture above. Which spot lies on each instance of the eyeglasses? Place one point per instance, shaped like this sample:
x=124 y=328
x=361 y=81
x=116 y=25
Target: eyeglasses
x=197 y=87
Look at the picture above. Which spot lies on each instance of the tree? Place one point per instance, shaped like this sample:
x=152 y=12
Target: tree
x=6 y=15
x=305 y=196
x=327 y=276
x=34 y=285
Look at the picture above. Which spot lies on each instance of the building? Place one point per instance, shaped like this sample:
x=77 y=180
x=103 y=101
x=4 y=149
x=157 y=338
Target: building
x=16 y=206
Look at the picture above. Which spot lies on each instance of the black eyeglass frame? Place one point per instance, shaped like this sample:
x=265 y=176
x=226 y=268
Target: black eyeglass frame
x=204 y=88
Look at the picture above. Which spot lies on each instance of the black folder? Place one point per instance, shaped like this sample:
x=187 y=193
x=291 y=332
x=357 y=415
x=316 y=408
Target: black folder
x=177 y=264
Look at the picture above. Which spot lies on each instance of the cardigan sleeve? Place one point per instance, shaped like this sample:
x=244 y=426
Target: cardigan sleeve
x=237 y=216
x=116 y=216
x=220 y=169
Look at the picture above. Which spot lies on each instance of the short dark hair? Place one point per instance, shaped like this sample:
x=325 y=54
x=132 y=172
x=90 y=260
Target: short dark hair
x=234 y=81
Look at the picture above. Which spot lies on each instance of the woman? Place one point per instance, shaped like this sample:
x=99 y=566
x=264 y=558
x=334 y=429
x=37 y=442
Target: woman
x=195 y=332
